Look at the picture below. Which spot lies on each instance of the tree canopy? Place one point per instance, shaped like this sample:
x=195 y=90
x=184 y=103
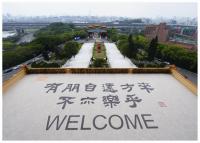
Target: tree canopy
x=152 y=48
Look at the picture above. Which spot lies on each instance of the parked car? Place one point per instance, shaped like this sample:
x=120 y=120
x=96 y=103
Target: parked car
x=167 y=63
x=8 y=70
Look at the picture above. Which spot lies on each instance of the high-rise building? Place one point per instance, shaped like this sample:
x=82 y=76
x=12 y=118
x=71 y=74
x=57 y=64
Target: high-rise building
x=161 y=30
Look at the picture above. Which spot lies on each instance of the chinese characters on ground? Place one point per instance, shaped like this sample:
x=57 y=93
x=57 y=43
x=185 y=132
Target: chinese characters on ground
x=110 y=100
x=107 y=87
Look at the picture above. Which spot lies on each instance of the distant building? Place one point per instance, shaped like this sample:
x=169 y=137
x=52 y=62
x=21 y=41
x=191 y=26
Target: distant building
x=195 y=35
x=161 y=30
x=20 y=31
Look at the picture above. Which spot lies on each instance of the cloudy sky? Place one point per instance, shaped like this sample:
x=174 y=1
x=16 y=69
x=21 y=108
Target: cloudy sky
x=125 y=9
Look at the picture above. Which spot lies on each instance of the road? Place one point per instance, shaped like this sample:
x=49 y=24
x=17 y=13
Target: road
x=26 y=38
x=188 y=74
x=15 y=69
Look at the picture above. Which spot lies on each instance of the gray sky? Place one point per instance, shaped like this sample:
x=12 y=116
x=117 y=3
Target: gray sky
x=125 y=9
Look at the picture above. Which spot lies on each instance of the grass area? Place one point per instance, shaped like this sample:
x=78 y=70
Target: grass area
x=101 y=54
x=8 y=45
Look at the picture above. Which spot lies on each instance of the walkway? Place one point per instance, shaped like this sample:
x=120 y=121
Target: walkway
x=82 y=59
x=116 y=59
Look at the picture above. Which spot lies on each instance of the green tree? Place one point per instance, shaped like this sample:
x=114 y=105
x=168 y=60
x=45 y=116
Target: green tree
x=71 y=49
x=152 y=48
x=67 y=36
x=54 y=29
x=141 y=42
x=132 y=52
x=123 y=47
x=81 y=34
x=49 y=43
x=178 y=55
x=20 y=54
x=45 y=55
x=112 y=34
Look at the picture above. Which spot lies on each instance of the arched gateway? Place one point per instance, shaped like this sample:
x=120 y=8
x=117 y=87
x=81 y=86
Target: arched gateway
x=97 y=30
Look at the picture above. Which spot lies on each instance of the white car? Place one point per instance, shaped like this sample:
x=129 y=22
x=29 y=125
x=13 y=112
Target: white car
x=16 y=67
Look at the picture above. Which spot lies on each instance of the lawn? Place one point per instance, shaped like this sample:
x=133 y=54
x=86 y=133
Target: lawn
x=101 y=54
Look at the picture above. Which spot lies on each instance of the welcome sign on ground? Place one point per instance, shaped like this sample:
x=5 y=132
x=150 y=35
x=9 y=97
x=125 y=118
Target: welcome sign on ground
x=99 y=107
